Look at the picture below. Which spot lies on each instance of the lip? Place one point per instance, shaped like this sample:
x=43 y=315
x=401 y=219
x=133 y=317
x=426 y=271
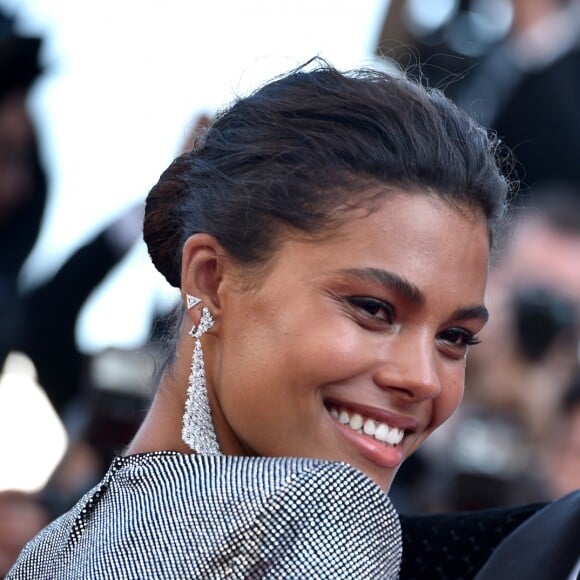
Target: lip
x=382 y=455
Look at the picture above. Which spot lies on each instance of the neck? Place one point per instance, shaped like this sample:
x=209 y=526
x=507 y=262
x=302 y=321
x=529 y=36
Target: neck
x=161 y=428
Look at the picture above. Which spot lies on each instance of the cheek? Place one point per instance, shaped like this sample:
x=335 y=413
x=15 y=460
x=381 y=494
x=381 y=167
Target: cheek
x=276 y=374
x=333 y=354
x=292 y=361
x=450 y=397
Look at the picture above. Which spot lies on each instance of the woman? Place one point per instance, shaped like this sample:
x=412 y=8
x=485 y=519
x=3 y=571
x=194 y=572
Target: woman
x=331 y=239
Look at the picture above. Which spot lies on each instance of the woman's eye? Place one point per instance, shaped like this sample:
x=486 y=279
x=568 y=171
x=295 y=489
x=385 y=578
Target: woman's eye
x=459 y=337
x=374 y=308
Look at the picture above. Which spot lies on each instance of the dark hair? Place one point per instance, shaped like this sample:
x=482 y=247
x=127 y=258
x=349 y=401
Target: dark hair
x=19 y=57
x=309 y=144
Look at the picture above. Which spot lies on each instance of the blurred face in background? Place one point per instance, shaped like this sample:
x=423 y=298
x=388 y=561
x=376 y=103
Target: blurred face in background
x=529 y=350
x=17 y=144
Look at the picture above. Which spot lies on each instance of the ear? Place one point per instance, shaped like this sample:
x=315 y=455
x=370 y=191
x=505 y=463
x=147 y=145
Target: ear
x=204 y=266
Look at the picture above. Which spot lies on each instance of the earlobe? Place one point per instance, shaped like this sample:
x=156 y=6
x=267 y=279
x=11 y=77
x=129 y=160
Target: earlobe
x=202 y=263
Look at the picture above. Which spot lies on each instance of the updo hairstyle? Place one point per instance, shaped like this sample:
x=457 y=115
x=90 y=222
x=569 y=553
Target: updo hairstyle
x=303 y=148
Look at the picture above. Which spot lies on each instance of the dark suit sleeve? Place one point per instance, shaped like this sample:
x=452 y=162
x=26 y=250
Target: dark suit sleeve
x=545 y=547
x=455 y=546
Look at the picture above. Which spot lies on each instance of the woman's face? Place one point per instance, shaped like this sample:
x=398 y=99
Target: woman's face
x=353 y=348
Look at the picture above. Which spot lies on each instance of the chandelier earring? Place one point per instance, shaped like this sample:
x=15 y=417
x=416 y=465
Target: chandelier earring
x=198 y=432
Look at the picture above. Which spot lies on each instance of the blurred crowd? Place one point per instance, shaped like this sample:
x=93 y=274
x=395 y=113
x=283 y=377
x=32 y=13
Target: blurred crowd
x=516 y=438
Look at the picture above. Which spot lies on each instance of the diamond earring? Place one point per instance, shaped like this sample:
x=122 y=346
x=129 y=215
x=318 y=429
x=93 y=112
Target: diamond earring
x=198 y=432
x=192 y=301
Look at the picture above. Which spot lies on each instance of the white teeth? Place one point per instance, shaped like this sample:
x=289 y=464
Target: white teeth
x=380 y=431
x=369 y=427
x=396 y=436
x=356 y=422
x=390 y=435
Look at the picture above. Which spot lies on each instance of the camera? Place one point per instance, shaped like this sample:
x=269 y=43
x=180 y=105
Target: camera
x=541 y=315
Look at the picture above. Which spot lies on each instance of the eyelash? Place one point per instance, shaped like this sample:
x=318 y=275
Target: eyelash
x=468 y=339
x=370 y=307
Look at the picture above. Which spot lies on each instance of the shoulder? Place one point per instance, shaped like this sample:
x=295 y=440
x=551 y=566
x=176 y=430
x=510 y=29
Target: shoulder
x=176 y=515
x=318 y=519
x=286 y=515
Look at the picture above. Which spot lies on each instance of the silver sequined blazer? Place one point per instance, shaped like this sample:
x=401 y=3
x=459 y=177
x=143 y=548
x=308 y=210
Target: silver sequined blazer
x=169 y=515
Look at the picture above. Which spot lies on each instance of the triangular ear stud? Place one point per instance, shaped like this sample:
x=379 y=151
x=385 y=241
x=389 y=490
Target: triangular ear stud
x=192 y=301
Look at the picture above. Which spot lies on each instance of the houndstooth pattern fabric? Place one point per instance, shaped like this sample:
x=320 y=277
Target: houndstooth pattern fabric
x=169 y=515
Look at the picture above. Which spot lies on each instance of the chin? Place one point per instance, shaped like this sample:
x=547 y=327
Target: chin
x=382 y=479
x=382 y=476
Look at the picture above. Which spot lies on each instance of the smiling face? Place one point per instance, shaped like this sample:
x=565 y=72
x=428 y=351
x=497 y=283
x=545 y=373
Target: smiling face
x=353 y=348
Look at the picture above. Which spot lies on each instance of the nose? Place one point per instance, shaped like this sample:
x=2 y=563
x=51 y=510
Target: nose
x=410 y=369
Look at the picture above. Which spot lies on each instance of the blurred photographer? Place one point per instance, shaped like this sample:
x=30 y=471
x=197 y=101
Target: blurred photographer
x=530 y=348
x=50 y=307
x=561 y=453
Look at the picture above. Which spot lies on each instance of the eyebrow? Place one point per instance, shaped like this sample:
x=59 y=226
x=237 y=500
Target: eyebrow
x=469 y=312
x=410 y=292
x=389 y=280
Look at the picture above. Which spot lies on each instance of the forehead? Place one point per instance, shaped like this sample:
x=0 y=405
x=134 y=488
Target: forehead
x=418 y=217
x=416 y=235
x=371 y=197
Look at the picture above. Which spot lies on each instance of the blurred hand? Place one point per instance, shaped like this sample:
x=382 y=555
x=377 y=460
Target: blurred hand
x=21 y=518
